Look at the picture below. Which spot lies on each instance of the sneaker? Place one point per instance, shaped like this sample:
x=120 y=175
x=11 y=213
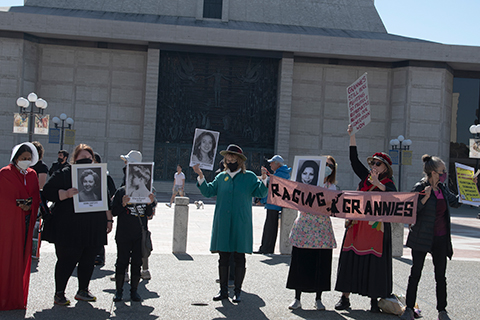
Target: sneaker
x=443 y=315
x=295 y=305
x=145 y=275
x=319 y=305
x=85 y=295
x=60 y=299
x=168 y=205
x=343 y=303
x=407 y=314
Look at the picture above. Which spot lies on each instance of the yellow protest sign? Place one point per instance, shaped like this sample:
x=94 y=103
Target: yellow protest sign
x=467 y=189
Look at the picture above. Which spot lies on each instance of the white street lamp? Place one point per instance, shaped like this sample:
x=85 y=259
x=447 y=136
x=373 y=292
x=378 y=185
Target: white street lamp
x=32 y=99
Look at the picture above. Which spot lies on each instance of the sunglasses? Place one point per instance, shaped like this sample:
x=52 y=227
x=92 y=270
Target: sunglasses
x=376 y=163
x=331 y=166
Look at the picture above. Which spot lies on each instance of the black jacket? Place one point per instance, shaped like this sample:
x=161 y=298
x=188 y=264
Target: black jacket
x=421 y=234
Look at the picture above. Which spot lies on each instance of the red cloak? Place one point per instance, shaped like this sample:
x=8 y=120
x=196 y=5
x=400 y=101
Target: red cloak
x=15 y=253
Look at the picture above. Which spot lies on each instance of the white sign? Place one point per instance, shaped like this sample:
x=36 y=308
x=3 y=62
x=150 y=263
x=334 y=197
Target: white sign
x=204 y=148
x=474 y=148
x=139 y=181
x=91 y=182
x=358 y=103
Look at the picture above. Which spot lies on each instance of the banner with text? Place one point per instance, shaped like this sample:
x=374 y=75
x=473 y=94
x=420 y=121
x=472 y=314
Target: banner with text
x=358 y=103
x=467 y=189
x=354 y=205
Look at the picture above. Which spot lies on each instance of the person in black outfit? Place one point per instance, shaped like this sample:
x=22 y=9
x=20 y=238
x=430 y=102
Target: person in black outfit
x=132 y=217
x=431 y=233
x=77 y=237
x=40 y=167
x=60 y=163
x=111 y=189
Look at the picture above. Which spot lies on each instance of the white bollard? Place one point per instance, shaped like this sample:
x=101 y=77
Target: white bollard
x=180 y=225
x=286 y=222
x=397 y=239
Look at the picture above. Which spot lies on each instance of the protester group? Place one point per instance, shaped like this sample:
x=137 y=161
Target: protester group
x=365 y=262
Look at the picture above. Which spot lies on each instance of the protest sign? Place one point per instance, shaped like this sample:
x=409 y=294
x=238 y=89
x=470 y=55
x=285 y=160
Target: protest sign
x=467 y=189
x=354 y=205
x=474 y=150
x=358 y=103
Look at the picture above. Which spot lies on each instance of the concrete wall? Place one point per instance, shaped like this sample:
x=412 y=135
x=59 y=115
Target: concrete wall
x=102 y=90
x=334 y=14
x=412 y=101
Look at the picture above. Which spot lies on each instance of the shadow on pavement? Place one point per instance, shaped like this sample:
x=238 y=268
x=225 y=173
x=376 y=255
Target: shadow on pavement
x=183 y=256
x=273 y=260
x=78 y=311
x=132 y=310
x=249 y=308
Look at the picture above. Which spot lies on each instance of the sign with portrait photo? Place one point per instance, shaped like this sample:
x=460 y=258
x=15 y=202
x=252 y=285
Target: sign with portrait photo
x=204 y=148
x=91 y=182
x=474 y=149
x=139 y=181
x=309 y=169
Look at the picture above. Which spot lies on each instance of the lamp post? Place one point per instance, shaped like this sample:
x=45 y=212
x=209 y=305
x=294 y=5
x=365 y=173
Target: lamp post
x=63 y=118
x=400 y=144
x=23 y=103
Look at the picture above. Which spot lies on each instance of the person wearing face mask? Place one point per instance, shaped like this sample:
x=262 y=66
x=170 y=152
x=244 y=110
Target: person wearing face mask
x=270 y=228
x=78 y=237
x=232 y=230
x=365 y=262
x=60 y=163
x=20 y=198
x=312 y=242
x=431 y=233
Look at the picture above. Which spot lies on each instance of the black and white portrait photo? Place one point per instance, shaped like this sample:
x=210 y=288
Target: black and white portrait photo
x=204 y=148
x=309 y=169
x=138 y=182
x=91 y=182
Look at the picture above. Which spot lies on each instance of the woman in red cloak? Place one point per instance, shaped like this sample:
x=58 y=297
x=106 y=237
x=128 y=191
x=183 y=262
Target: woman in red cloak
x=20 y=197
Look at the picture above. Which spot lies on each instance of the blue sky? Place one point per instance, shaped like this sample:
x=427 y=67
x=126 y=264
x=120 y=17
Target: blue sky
x=444 y=21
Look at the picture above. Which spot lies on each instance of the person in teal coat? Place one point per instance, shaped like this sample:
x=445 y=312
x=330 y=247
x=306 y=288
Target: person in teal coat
x=232 y=230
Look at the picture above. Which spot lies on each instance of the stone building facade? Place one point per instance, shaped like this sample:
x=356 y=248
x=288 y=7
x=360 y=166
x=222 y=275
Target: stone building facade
x=100 y=62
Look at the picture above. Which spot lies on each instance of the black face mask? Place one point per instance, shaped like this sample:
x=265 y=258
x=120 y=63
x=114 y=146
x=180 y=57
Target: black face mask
x=232 y=166
x=60 y=160
x=84 y=161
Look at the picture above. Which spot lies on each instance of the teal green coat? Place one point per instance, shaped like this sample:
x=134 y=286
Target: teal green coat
x=232 y=229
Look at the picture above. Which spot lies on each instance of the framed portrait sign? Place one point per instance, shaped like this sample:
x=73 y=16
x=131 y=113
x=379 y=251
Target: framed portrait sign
x=139 y=181
x=204 y=149
x=309 y=170
x=91 y=182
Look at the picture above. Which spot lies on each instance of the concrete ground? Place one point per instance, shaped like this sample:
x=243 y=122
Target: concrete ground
x=182 y=285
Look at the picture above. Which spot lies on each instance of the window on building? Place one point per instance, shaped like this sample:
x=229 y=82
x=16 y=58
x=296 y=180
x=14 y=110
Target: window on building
x=212 y=9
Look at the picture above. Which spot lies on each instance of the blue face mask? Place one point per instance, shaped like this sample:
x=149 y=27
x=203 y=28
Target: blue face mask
x=328 y=171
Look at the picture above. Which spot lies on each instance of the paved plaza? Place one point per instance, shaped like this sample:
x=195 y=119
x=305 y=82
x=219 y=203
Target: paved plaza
x=182 y=285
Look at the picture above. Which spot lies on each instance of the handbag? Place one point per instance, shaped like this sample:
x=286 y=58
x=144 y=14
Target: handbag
x=392 y=305
x=147 y=246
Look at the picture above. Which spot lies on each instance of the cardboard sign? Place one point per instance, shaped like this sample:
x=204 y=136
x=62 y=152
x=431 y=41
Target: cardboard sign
x=358 y=103
x=467 y=189
x=354 y=205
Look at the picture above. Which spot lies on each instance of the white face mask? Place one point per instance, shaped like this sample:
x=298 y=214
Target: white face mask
x=328 y=171
x=24 y=164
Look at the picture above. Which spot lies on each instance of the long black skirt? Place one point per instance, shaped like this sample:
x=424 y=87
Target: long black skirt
x=367 y=275
x=310 y=270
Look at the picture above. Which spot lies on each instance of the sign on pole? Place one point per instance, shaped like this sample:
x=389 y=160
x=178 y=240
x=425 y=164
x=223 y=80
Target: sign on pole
x=69 y=136
x=54 y=136
x=358 y=103
x=467 y=189
x=41 y=124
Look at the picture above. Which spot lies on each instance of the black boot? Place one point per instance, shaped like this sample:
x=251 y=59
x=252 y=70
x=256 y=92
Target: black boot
x=134 y=281
x=119 y=281
x=239 y=276
x=223 y=276
x=343 y=303
x=374 y=305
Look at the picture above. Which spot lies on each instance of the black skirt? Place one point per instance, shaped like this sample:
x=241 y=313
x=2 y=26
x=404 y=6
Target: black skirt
x=367 y=275
x=310 y=270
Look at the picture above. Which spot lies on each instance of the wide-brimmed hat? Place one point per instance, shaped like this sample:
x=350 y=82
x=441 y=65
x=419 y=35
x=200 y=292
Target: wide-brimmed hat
x=234 y=149
x=33 y=150
x=132 y=156
x=385 y=158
